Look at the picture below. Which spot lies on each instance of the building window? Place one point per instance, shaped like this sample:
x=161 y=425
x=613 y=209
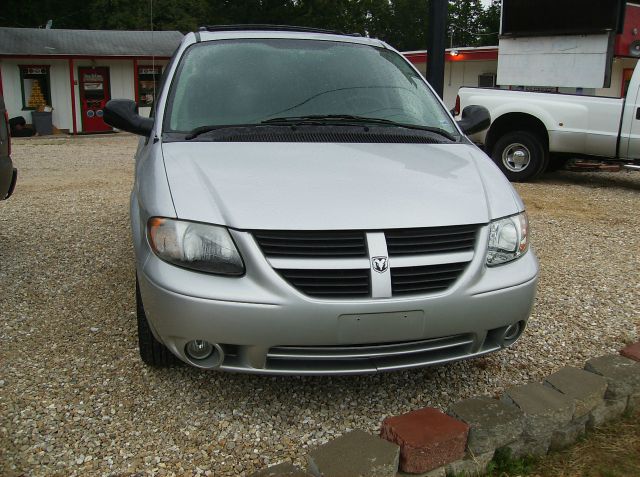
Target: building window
x=36 y=87
x=148 y=84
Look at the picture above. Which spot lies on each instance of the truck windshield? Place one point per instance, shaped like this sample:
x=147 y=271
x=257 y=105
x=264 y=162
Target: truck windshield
x=248 y=82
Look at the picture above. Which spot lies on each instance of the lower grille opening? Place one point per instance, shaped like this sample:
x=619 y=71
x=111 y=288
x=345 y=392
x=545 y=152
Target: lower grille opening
x=369 y=357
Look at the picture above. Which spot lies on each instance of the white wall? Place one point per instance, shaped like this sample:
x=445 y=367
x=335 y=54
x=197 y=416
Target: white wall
x=60 y=89
x=121 y=86
x=461 y=73
x=558 y=61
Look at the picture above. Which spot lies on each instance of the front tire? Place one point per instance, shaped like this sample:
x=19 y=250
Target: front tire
x=152 y=352
x=520 y=155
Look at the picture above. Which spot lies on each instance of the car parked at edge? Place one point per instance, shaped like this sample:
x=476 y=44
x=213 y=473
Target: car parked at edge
x=304 y=204
x=8 y=174
x=532 y=132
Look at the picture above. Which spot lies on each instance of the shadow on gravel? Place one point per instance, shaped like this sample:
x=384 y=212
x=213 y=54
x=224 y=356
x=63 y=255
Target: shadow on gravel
x=619 y=180
x=423 y=386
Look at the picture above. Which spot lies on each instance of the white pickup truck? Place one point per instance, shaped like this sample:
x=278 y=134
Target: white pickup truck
x=531 y=132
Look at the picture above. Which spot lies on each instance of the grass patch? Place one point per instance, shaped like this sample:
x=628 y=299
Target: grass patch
x=610 y=451
x=504 y=464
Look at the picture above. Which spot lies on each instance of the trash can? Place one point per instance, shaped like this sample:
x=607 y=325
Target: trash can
x=42 y=122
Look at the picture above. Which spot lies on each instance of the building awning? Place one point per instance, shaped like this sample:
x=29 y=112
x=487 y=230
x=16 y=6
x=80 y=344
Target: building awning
x=481 y=53
x=43 y=42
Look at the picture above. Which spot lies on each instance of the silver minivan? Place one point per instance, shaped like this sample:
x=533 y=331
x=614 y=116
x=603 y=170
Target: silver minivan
x=305 y=204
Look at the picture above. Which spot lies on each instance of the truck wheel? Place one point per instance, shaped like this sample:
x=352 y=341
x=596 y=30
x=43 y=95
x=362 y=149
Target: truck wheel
x=152 y=351
x=520 y=155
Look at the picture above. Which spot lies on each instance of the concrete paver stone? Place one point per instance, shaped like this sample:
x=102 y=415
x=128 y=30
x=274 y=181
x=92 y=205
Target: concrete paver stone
x=587 y=389
x=622 y=375
x=545 y=409
x=470 y=466
x=285 y=469
x=493 y=423
x=565 y=437
x=355 y=454
x=609 y=410
x=528 y=447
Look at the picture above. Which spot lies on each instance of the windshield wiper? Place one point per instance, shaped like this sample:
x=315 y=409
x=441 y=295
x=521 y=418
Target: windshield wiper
x=194 y=133
x=353 y=119
x=342 y=119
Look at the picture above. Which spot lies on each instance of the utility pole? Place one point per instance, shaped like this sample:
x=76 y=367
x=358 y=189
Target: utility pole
x=436 y=39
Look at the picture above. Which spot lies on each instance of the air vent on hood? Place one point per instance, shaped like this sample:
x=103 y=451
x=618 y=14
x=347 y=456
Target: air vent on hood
x=332 y=137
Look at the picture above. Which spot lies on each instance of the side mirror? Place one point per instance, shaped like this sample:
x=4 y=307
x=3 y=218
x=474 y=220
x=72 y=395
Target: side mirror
x=123 y=114
x=474 y=119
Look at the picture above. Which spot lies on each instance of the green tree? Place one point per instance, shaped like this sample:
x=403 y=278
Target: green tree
x=407 y=24
x=490 y=24
x=402 y=23
x=464 y=22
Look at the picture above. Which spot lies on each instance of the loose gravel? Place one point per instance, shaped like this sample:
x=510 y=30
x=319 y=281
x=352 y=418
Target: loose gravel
x=76 y=400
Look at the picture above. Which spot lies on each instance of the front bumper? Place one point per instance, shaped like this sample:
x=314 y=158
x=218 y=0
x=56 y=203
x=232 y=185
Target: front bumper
x=264 y=325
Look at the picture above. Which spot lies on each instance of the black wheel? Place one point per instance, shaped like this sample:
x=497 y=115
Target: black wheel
x=520 y=155
x=152 y=351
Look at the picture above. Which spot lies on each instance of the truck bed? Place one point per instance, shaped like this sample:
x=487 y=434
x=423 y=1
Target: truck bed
x=576 y=124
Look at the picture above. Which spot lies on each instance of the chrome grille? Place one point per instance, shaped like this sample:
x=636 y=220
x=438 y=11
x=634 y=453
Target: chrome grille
x=431 y=240
x=337 y=264
x=426 y=279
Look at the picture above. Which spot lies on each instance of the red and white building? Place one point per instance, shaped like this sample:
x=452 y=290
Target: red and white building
x=76 y=72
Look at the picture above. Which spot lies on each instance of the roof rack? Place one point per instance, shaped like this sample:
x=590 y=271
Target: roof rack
x=259 y=27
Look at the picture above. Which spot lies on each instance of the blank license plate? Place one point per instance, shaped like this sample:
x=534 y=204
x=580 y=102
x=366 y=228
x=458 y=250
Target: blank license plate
x=381 y=327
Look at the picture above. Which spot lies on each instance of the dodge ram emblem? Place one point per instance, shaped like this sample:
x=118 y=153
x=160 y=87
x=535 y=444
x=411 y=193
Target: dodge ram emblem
x=380 y=264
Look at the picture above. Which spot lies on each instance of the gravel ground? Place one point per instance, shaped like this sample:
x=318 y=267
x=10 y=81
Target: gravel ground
x=76 y=400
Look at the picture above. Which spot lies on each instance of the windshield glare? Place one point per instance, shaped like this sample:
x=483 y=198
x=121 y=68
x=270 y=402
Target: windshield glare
x=239 y=82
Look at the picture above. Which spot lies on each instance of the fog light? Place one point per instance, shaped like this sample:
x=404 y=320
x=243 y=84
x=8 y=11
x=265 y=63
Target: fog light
x=199 y=349
x=512 y=332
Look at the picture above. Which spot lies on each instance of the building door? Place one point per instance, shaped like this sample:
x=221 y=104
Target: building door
x=94 y=94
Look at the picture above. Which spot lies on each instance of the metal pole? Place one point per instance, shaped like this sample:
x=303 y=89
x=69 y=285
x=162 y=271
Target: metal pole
x=436 y=39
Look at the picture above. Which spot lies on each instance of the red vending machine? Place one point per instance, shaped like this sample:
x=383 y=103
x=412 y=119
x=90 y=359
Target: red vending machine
x=94 y=94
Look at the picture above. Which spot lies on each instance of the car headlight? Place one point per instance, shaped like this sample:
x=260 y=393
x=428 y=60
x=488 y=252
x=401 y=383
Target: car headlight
x=202 y=247
x=508 y=239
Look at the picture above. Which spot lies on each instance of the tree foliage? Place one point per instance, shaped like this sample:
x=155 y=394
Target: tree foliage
x=402 y=23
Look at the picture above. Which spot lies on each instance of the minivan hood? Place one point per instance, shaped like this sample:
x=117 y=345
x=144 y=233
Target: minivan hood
x=324 y=186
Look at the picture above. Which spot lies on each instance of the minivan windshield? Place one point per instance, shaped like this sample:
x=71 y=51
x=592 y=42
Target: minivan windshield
x=261 y=81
